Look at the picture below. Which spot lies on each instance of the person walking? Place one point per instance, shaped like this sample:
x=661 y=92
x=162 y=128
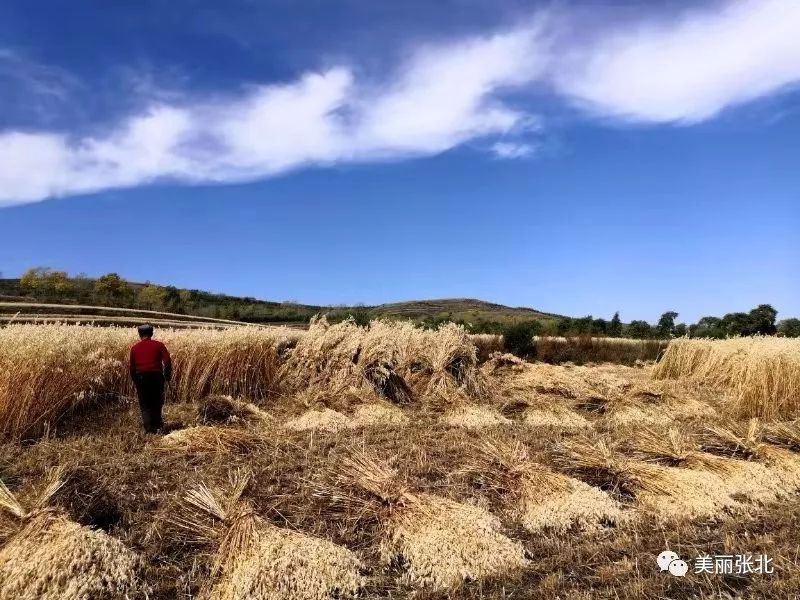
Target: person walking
x=151 y=368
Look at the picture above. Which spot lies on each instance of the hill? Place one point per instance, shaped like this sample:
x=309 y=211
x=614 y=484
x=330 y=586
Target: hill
x=466 y=310
x=74 y=297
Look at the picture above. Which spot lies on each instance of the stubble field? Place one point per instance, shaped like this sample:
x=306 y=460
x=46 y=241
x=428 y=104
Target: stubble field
x=388 y=462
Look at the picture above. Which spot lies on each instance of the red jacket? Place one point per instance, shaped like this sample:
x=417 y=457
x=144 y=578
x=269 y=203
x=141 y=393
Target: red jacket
x=150 y=356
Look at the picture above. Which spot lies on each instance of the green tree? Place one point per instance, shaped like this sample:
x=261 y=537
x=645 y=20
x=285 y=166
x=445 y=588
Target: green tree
x=173 y=301
x=666 y=324
x=762 y=320
x=361 y=315
x=564 y=326
x=583 y=326
x=737 y=323
x=45 y=283
x=599 y=327
x=150 y=297
x=680 y=330
x=708 y=327
x=518 y=337
x=789 y=327
x=113 y=290
x=615 y=326
x=640 y=330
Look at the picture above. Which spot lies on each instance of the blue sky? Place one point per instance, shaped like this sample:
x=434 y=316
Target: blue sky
x=578 y=159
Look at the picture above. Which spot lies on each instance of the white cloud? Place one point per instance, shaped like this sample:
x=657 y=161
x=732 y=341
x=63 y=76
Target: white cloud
x=689 y=69
x=442 y=97
x=684 y=70
x=512 y=150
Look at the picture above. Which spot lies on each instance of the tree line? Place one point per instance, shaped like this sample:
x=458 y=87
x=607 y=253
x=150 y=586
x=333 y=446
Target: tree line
x=53 y=286
x=49 y=285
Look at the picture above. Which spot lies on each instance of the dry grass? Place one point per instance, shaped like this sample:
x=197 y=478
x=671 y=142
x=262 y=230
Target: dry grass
x=48 y=370
x=473 y=416
x=535 y=496
x=325 y=419
x=591 y=506
x=49 y=557
x=204 y=438
x=226 y=410
x=255 y=560
x=394 y=359
x=436 y=542
x=663 y=491
x=761 y=373
x=378 y=415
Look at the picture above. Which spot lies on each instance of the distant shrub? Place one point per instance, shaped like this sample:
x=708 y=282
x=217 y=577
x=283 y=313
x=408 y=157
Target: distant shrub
x=585 y=349
x=518 y=337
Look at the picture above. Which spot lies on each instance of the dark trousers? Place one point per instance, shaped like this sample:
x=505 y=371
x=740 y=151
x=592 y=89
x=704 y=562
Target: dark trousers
x=150 y=389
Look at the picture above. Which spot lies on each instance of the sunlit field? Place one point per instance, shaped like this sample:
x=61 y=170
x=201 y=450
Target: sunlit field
x=390 y=461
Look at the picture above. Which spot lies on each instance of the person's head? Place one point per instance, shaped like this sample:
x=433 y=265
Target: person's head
x=145 y=331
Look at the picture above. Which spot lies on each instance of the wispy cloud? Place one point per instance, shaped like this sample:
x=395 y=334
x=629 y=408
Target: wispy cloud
x=512 y=150
x=684 y=71
x=442 y=97
x=689 y=69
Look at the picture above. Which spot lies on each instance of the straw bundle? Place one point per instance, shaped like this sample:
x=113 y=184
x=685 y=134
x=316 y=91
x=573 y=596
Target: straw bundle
x=394 y=359
x=255 y=560
x=378 y=415
x=325 y=419
x=556 y=416
x=537 y=497
x=473 y=416
x=205 y=438
x=439 y=543
x=744 y=479
x=226 y=410
x=748 y=441
x=52 y=558
x=667 y=492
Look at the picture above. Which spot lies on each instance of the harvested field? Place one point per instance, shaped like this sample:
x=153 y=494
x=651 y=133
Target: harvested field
x=347 y=462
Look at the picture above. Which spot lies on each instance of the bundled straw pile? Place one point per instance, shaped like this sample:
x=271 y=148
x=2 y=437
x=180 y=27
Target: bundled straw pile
x=440 y=543
x=255 y=560
x=537 y=497
x=395 y=359
x=744 y=479
x=205 y=438
x=667 y=492
x=49 y=557
x=226 y=410
x=325 y=419
x=748 y=441
x=554 y=415
x=378 y=415
x=473 y=416
x=761 y=373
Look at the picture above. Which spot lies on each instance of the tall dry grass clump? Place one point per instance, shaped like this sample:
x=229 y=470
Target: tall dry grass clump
x=49 y=557
x=396 y=360
x=239 y=361
x=255 y=560
x=761 y=373
x=47 y=370
x=437 y=542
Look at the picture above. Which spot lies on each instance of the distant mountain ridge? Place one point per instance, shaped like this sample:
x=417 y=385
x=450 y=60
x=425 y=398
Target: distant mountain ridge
x=208 y=304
